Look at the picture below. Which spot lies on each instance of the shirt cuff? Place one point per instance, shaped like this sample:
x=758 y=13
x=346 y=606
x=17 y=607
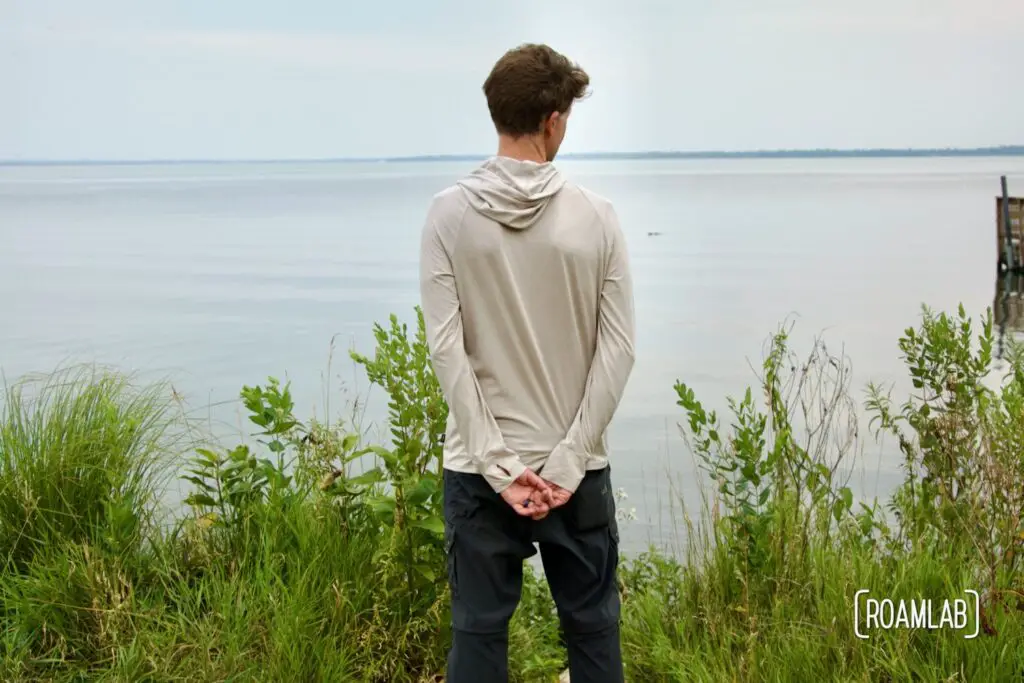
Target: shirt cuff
x=565 y=467
x=501 y=472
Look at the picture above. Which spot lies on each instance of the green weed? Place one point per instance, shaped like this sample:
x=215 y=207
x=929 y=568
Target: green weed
x=316 y=556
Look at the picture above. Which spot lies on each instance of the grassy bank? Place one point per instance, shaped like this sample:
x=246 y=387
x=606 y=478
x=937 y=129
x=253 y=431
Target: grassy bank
x=294 y=564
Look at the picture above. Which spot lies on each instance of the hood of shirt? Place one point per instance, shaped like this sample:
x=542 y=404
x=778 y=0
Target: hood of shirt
x=512 y=192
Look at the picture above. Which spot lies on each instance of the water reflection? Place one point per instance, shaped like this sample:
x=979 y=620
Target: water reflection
x=1008 y=310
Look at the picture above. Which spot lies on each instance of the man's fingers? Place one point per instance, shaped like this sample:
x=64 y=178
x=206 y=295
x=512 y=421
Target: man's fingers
x=555 y=495
x=528 y=507
x=524 y=507
x=530 y=478
x=532 y=496
x=538 y=503
x=540 y=507
x=559 y=497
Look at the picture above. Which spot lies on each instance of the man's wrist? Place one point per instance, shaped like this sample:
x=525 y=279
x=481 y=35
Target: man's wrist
x=502 y=472
x=565 y=467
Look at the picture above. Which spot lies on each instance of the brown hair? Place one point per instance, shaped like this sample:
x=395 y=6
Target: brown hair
x=528 y=84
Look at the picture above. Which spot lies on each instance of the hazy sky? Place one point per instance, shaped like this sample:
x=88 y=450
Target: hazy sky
x=142 y=79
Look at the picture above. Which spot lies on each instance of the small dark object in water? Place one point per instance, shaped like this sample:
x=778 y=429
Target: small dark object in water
x=653 y=234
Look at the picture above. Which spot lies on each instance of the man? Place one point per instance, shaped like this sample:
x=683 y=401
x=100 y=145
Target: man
x=528 y=301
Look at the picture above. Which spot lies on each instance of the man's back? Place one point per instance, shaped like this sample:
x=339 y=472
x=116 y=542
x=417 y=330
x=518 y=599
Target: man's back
x=530 y=255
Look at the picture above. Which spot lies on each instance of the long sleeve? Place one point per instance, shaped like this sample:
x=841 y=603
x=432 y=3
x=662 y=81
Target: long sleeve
x=443 y=320
x=609 y=370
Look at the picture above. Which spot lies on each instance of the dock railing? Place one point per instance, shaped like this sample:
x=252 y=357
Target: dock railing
x=1009 y=230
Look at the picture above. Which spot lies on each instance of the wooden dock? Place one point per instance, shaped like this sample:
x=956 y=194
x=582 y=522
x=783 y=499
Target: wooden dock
x=1008 y=309
x=1010 y=231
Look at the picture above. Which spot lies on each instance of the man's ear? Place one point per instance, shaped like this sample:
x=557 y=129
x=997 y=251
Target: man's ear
x=551 y=123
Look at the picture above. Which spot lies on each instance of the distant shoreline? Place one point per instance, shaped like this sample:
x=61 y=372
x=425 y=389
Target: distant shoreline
x=1001 y=151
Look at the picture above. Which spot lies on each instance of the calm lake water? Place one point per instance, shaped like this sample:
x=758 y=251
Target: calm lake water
x=219 y=275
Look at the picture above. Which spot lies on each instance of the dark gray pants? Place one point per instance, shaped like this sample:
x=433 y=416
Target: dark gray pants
x=487 y=543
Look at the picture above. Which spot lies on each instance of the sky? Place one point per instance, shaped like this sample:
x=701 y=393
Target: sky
x=255 y=79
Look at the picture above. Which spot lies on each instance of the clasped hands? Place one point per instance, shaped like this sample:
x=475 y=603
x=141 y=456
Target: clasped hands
x=532 y=496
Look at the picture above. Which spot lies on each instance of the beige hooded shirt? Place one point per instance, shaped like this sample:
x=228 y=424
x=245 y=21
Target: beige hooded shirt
x=528 y=302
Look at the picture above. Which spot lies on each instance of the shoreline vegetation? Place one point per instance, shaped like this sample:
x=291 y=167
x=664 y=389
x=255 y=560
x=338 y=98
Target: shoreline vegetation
x=827 y=153
x=288 y=564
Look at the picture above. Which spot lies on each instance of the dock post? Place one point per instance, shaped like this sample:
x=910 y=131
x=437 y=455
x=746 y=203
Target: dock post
x=1011 y=254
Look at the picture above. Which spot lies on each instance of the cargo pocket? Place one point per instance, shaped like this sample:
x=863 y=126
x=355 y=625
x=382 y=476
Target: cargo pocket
x=449 y=551
x=592 y=507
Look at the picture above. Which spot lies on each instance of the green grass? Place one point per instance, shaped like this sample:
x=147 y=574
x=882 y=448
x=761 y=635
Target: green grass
x=82 y=453
x=289 y=567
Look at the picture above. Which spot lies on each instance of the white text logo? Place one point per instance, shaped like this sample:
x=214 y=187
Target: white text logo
x=872 y=614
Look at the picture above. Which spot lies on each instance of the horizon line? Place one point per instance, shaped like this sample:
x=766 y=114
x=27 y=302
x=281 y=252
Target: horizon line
x=993 y=150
